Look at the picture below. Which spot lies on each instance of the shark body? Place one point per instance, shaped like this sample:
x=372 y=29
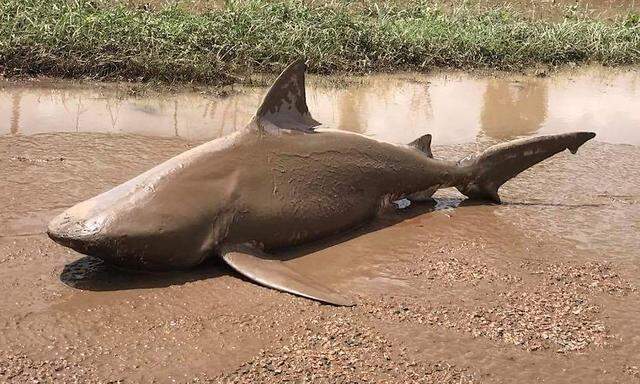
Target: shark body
x=281 y=181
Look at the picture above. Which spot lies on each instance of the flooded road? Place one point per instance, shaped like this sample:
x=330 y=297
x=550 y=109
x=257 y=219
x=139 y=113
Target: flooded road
x=455 y=107
x=539 y=289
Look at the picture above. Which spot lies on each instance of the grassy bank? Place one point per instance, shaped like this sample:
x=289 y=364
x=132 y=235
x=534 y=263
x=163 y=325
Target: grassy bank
x=81 y=38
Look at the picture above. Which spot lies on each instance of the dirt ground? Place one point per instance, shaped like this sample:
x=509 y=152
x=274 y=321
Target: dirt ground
x=543 y=288
x=539 y=289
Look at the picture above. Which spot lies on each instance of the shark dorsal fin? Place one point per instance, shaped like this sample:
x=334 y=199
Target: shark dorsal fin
x=285 y=105
x=423 y=144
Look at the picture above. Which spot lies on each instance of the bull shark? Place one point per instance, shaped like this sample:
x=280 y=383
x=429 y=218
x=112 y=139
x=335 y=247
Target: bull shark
x=283 y=180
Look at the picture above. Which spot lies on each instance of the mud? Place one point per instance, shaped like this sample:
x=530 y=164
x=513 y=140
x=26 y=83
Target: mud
x=540 y=288
x=558 y=9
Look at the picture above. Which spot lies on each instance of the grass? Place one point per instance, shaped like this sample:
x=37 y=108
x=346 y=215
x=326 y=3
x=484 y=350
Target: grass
x=88 y=39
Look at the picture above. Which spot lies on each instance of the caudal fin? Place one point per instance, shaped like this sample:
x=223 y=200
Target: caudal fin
x=493 y=167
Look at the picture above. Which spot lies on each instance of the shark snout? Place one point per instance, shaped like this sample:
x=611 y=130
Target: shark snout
x=121 y=241
x=78 y=233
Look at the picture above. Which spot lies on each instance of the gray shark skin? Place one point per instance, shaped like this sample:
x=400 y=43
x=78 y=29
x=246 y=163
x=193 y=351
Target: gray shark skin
x=279 y=182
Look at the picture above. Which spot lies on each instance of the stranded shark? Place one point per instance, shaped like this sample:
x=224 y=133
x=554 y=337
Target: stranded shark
x=281 y=181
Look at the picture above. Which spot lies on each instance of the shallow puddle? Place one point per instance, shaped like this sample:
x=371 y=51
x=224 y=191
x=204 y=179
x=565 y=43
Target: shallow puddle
x=454 y=107
x=565 y=225
x=464 y=112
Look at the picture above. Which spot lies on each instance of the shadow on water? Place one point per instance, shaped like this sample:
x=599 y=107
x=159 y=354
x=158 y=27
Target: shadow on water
x=93 y=274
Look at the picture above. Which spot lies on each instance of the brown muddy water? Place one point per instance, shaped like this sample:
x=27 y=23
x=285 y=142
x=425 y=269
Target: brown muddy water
x=539 y=289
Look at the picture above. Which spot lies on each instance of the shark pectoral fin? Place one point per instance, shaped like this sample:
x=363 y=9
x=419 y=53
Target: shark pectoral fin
x=254 y=264
x=285 y=105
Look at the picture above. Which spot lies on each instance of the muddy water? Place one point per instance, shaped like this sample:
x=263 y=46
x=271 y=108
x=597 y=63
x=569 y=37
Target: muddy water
x=540 y=288
x=455 y=107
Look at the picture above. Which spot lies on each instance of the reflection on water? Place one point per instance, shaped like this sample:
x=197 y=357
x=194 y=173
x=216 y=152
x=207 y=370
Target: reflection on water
x=454 y=107
x=517 y=108
x=15 y=112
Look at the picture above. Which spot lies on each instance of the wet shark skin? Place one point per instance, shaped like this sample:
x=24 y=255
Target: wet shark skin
x=273 y=190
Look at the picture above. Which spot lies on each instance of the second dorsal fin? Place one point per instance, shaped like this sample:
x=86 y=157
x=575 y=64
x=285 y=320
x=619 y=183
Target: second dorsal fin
x=285 y=105
x=423 y=144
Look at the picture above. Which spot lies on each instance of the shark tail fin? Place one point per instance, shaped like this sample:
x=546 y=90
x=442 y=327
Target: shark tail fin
x=493 y=167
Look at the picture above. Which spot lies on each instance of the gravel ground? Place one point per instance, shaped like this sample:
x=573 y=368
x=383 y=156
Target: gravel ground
x=540 y=289
x=338 y=349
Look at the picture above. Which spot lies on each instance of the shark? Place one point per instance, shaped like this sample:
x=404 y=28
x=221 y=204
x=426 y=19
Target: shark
x=282 y=181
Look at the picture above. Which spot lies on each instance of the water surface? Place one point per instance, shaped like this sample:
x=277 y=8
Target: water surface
x=545 y=261
x=455 y=107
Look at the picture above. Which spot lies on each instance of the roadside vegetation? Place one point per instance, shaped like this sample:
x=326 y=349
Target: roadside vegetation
x=110 y=40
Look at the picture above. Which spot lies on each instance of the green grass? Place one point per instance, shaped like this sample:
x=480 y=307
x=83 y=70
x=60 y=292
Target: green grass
x=82 y=38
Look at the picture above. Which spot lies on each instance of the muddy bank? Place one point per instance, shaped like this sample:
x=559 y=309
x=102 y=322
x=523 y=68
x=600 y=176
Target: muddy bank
x=539 y=289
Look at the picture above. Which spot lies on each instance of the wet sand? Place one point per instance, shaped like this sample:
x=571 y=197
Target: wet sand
x=542 y=288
